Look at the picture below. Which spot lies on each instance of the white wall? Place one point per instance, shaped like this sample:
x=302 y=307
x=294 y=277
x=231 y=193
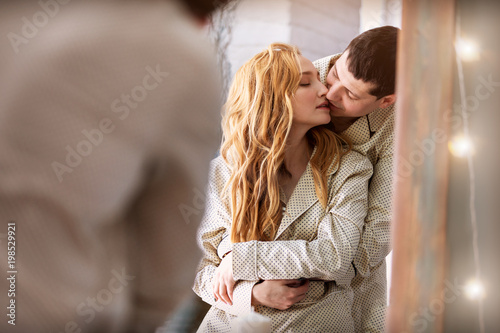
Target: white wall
x=323 y=27
x=257 y=23
x=376 y=13
x=318 y=27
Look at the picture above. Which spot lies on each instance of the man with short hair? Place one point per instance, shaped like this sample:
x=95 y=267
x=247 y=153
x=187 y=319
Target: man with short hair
x=361 y=92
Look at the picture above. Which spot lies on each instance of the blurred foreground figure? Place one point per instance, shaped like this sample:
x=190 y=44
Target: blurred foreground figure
x=108 y=118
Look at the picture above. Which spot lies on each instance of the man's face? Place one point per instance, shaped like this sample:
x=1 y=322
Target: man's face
x=348 y=96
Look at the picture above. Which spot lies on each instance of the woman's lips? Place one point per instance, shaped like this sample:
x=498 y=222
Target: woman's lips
x=323 y=105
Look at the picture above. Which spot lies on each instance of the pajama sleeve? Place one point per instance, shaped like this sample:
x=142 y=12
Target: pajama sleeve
x=214 y=227
x=375 y=242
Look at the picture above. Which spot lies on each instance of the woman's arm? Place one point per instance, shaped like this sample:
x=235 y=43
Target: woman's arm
x=214 y=226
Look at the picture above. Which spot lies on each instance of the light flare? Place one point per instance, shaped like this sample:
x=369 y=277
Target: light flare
x=467 y=49
x=461 y=146
x=474 y=290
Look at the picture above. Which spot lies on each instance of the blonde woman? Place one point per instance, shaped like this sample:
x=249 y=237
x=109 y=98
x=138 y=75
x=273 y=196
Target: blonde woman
x=285 y=201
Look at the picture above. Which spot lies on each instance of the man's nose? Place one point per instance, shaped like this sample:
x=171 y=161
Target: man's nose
x=323 y=90
x=333 y=92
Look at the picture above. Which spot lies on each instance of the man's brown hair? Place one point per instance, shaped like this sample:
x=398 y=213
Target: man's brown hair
x=372 y=58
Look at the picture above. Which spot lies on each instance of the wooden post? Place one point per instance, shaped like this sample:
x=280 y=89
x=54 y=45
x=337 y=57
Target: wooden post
x=424 y=90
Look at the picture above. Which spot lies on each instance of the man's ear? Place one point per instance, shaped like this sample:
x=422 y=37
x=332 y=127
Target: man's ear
x=387 y=101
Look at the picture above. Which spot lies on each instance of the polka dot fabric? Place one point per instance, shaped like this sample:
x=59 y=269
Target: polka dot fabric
x=373 y=137
x=312 y=242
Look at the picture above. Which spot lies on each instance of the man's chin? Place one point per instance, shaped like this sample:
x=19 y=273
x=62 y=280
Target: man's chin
x=335 y=111
x=342 y=117
x=336 y=114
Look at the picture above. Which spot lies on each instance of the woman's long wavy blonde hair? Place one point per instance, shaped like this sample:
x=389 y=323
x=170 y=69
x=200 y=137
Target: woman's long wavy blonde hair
x=256 y=124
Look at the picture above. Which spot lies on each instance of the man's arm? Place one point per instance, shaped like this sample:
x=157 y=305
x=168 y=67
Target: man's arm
x=375 y=242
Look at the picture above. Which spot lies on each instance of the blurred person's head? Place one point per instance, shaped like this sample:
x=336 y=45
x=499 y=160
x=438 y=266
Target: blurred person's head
x=275 y=91
x=363 y=78
x=203 y=8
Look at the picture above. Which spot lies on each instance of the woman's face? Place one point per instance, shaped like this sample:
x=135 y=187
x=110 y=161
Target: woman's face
x=310 y=106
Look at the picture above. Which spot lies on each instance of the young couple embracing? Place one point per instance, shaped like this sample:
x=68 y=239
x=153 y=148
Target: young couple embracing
x=298 y=212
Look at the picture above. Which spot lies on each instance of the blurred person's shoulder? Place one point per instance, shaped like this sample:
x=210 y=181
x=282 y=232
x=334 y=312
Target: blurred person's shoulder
x=119 y=29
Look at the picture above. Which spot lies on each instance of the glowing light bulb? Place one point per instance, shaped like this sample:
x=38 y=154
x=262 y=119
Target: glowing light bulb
x=467 y=50
x=474 y=290
x=460 y=146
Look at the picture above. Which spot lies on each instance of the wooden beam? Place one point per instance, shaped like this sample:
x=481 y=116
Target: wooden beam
x=424 y=90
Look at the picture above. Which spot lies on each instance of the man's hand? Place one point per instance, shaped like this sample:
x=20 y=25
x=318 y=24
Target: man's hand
x=279 y=294
x=223 y=283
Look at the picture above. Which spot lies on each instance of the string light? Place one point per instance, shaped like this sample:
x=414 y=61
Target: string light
x=474 y=290
x=467 y=49
x=461 y=146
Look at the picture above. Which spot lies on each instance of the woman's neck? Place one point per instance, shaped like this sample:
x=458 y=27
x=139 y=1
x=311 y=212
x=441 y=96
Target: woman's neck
x=297 y=154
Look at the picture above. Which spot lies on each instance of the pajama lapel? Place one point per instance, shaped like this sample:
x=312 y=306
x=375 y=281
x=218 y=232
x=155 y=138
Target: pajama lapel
x=301 y=200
